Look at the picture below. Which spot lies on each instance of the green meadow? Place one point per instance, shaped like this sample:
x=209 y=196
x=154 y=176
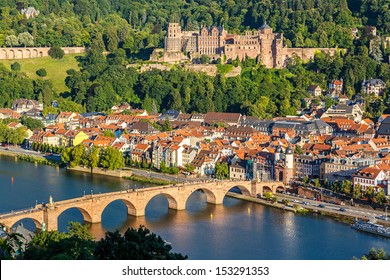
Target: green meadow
x=56 y=69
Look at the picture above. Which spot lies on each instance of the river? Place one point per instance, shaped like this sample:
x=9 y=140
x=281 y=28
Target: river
x=234 y=230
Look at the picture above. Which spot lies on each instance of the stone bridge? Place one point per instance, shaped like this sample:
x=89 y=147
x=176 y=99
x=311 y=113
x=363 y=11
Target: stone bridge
x=136 y=200
x=31 y=52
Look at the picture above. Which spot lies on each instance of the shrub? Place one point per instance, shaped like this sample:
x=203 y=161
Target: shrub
x=41 y=72
x=16 y=66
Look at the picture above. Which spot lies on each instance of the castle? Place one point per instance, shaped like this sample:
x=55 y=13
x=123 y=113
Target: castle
x=215 y=42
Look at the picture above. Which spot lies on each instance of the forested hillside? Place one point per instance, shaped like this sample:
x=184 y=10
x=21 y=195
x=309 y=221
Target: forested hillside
x=127 y=28
x=135 y=24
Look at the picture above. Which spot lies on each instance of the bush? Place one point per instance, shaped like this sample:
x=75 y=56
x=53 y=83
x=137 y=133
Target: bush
x=16 y=66
x=56 y=52
x=41 y=72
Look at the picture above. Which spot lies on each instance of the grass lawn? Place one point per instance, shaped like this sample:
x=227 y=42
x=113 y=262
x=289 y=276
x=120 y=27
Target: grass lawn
x=56 y=69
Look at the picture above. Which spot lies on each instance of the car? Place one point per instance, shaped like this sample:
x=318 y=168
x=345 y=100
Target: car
x=342 y=209
x=321 y=205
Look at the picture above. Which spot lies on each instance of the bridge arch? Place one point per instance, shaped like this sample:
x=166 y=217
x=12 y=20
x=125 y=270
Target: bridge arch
x=28 y=53
x=131 y=209
x=267 y=189
x=210 y=195
x=173 y=202
x=37 y=224
x=280 y=188
x=86 y=215
x=34 y=53
x=243 y=189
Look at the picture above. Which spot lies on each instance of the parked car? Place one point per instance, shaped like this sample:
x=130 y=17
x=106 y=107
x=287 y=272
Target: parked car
x=342 y=209
x=321 y=205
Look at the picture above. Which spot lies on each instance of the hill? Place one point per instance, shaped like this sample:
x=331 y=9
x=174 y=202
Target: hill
x=56 y=69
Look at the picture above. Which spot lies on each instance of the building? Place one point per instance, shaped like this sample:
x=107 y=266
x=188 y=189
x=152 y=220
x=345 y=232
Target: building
x=314 y=90
x=372 y=176
x=343 y=168
x=374 y=87
x=24 y=105
x=353 y=112
x=262 y=44
x=308 y=165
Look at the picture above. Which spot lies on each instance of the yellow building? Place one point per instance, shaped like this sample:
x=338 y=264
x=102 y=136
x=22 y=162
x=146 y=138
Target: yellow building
x=78 y=138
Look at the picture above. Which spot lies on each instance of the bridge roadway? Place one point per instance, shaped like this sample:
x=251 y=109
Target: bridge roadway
x=92 y=206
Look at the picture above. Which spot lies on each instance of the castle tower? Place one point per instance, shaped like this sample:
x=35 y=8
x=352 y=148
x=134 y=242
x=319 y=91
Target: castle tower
x=267 y=45
x=173 y=38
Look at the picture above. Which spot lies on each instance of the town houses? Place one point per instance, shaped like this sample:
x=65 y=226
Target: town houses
x=333 y=146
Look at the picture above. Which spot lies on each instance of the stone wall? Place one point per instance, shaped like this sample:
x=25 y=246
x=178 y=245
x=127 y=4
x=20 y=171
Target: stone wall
x=32 y=52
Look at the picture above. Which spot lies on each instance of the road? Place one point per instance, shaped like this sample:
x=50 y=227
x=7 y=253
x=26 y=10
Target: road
x=162 y=176
x=351 y=211
x=20 y=151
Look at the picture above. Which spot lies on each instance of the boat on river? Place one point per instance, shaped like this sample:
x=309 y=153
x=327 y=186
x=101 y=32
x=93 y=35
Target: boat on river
x=371 y=227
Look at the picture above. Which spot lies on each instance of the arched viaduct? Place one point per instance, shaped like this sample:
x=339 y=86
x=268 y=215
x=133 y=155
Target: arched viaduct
x=31 y=52
x=136 y=200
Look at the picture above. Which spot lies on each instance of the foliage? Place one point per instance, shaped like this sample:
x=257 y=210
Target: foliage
x=41 y=72
x=189 y=168
x=109 y=133
x=221 y=170
x=56 y=52
x=143 y=179
x=76 y=244
x=111 y=158
x=91 y=157
x=12 y=136
x=376 y=254
x=135 y=244
x=31 y=123
x=16 y=66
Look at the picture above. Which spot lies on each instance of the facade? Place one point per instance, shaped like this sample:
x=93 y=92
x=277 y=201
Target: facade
x=374 y=87
x=308 y=165
x=215 y=42
x=314 y=90
x=372 y=176
x=343 y=168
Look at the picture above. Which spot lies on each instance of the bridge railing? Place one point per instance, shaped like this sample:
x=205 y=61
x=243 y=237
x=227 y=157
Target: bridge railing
x=21 y=211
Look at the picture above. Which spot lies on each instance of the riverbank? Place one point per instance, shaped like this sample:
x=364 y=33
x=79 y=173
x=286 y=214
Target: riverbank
x=119 y=173
x=29 y=158
x=261 y=201
x=143 y=179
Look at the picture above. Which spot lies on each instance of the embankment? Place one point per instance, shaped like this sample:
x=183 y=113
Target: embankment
x=101 y=171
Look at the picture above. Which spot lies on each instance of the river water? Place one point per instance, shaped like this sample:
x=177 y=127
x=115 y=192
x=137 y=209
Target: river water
x=234 y=230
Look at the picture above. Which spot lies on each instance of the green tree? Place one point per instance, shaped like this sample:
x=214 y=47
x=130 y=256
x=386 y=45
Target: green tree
x=346 y=187
x=375 y=254
x=135 y=244
x=111 y=158
x=56 y=52
x=109 y=133
x=92 y=157
x=166 y=126
x=221 y=170
x=16 y=66
x=31 y=123
x=26 y=39
x=41 y=72
x=357 y=191
x=380 y=197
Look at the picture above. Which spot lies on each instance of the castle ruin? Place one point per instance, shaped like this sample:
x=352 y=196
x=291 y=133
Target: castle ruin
x=215 y=42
